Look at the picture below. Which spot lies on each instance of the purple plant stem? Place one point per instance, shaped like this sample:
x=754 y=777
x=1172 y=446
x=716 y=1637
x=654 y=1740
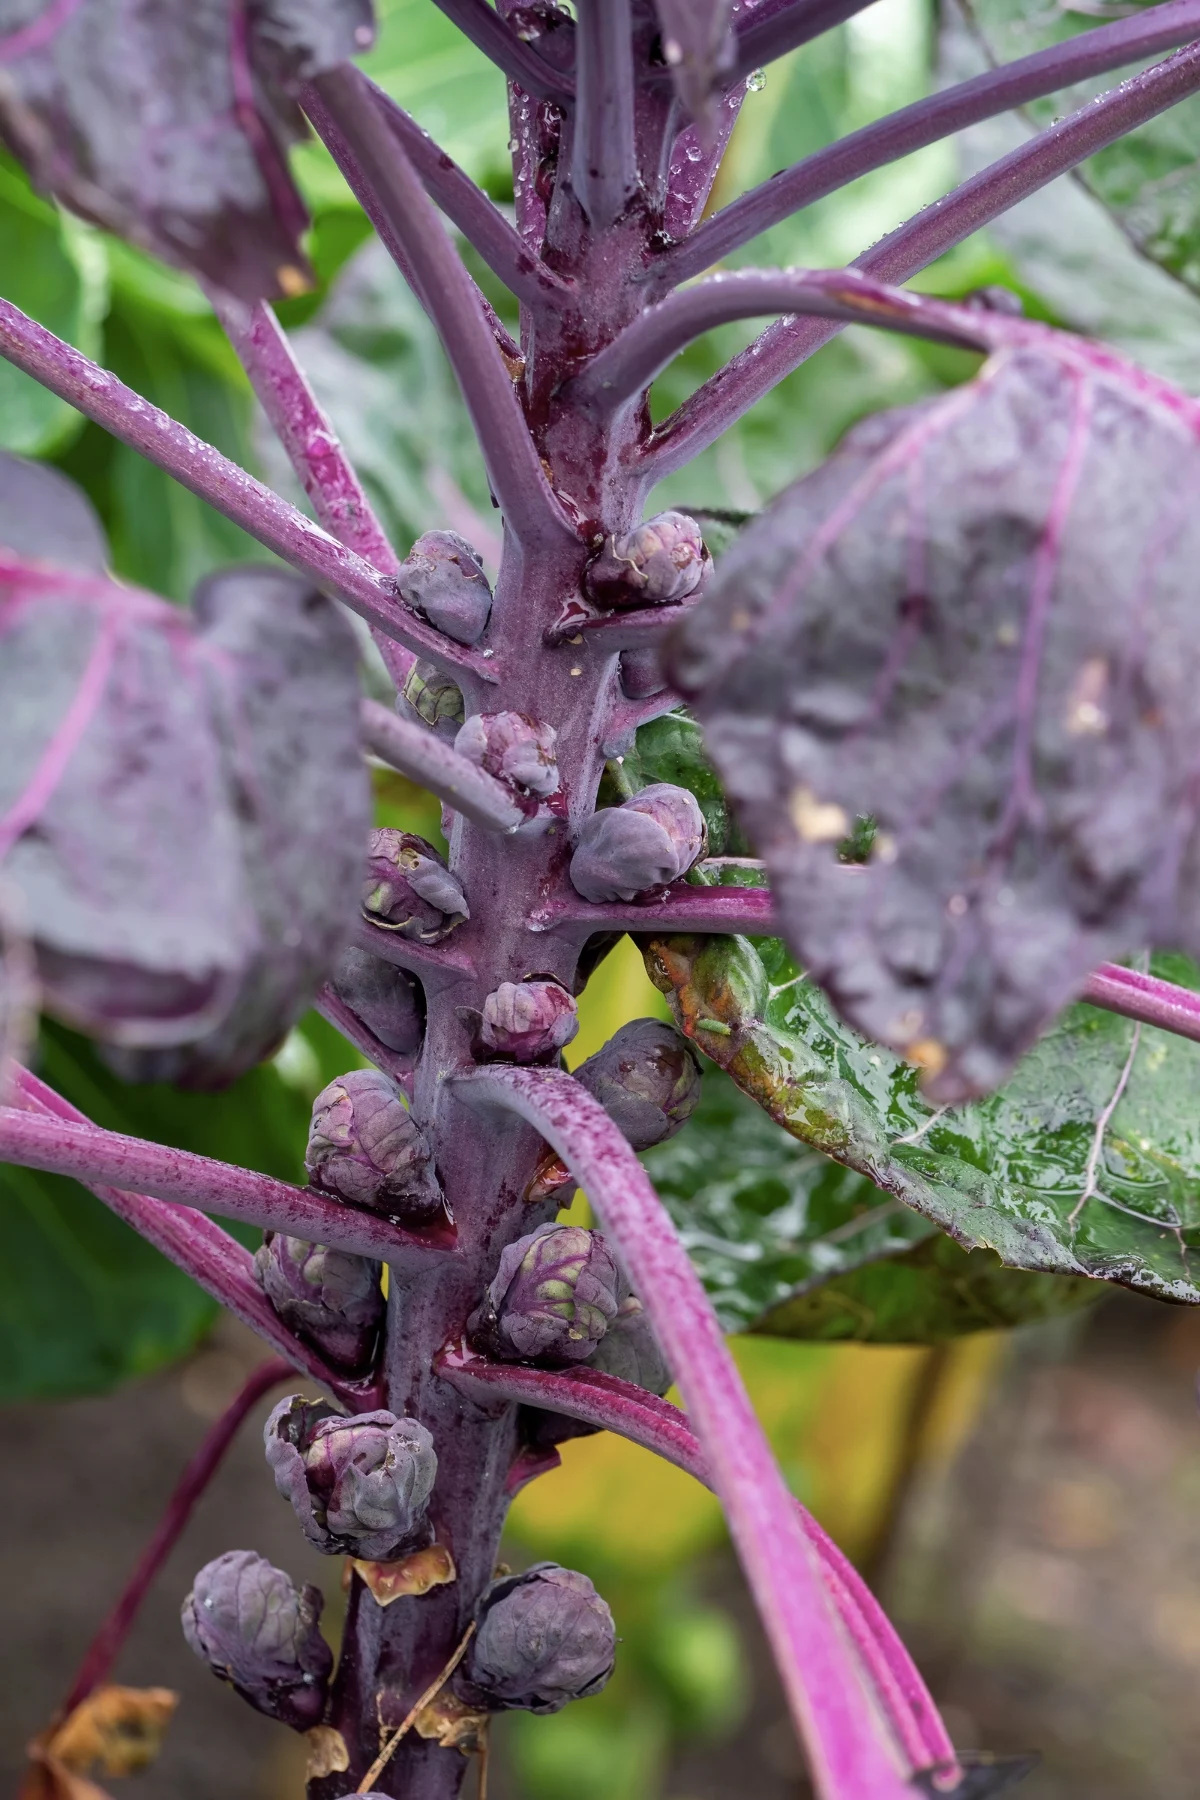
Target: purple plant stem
x=434 y=764
x=625 y=368
x=680 y=908
x=1145 y=998
x=481 y=223
x=212 y=477
x=642 y=629
x=603 y=165
x=312 y=446
x=501 y=45
x=105 y=1647
x=848 y=1755
x=531 y=511
x=611 y=1404
x=437 y=964
x=626 y=716
x=89 y=1154
x=771 y=30
x=722 y=400
x=1094 y=52
x=189 y=1239
x=332 y=1007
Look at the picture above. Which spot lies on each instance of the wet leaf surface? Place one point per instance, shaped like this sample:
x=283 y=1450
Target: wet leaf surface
x=973 y=624
x=170 y=124
x=1086 y=1163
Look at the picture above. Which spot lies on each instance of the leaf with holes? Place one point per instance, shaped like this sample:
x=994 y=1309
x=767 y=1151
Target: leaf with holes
x=182 y=800
x=170 y=124
x=974 y=624
x=1087 y=1162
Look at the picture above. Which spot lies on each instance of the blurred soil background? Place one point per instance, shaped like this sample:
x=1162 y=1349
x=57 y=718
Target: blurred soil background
x=1028 y=1507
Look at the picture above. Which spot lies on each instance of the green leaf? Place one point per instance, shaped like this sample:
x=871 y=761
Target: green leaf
x=53 y=269
x=1149 y=180
x=792 y=1244
x=672 y=749
x=1086 y=1163
x=84 y=1302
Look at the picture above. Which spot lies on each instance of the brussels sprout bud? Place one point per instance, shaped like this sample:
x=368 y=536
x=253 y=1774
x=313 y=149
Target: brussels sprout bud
x=430 y=697
x=443 y=578
x=514 y=748
x=388 y=1001
x=528 y=1020
x=359 y=1486
x=630 y=1350
x=662 y=561
x=256 y=1630
x=551 y=1299
x=543 y=1638
x=646 y=842
x=365 y=1146
x=408 y=888
x=333 y=1298
x=646 y=1078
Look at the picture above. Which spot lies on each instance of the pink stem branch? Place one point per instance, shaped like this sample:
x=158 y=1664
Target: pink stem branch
x=89 y=1154
x=615 y=1405
x=1145 y=998
x=722 y=400
x=332 y=1007
x=212 y=477
x=1094 y=52
x=626 y=367
x=501 y=45
x=189 y=1239
x=681 y=908
x=643 y=628
x=604 y=171
x=105 y=1647
x=529 y=507
x=772 y=30
x=312 y=446
x=468 y=207
x=851 y=1754
x=434 y=963
x=434 y=764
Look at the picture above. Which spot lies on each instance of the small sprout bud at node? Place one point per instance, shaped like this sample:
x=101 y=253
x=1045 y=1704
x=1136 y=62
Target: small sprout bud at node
x=365 y=1146
x=641 y=675
x=408 y=888
x=630 y=1350
x=646 y=842
x=332 y=1298
x=430 y=697
x=543 y=1639
x=514 y=748
x=443 y=579
x=647 y=1078
x=660 y=562
x=387 y=1001
x=528 y=1020
x=255 y=1629
x=359 y=1486
x=552 y=1298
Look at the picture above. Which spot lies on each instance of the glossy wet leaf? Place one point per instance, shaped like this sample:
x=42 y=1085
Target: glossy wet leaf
x=792 y=1244
x=974 y=625
x=1150 y=179
x=1036 y=1172
x=170 y=124
x=182 y=801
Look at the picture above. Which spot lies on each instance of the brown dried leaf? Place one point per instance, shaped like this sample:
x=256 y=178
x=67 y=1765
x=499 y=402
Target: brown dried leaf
x=415 y=1574
x=327 y=1753
x=453 y=1724
x=115 y=1731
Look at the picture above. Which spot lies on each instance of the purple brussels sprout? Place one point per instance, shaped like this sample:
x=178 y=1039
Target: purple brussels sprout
x=528 y=1020
x=442 y=578
x=330 y=1297
x=430 y=697
x=387 y=1001
x=630 y=1350
x=658 y=563
x=646 y=842
x=514 y=748
x=365 y=1146
x=543 y=1639
x=359 y=1486
x=647 y=1079
x=551 y=1299
x=255 y=1629
x=408 y=888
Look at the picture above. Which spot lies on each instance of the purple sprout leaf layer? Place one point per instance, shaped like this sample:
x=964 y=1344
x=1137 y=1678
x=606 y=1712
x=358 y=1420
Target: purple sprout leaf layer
x=83 y=109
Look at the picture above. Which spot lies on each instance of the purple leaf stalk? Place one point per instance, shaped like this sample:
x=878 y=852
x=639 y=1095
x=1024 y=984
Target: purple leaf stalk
x=457 y=978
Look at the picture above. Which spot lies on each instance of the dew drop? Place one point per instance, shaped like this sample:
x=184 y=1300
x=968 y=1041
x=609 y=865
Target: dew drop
x=756 y=81
x=514 y=145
